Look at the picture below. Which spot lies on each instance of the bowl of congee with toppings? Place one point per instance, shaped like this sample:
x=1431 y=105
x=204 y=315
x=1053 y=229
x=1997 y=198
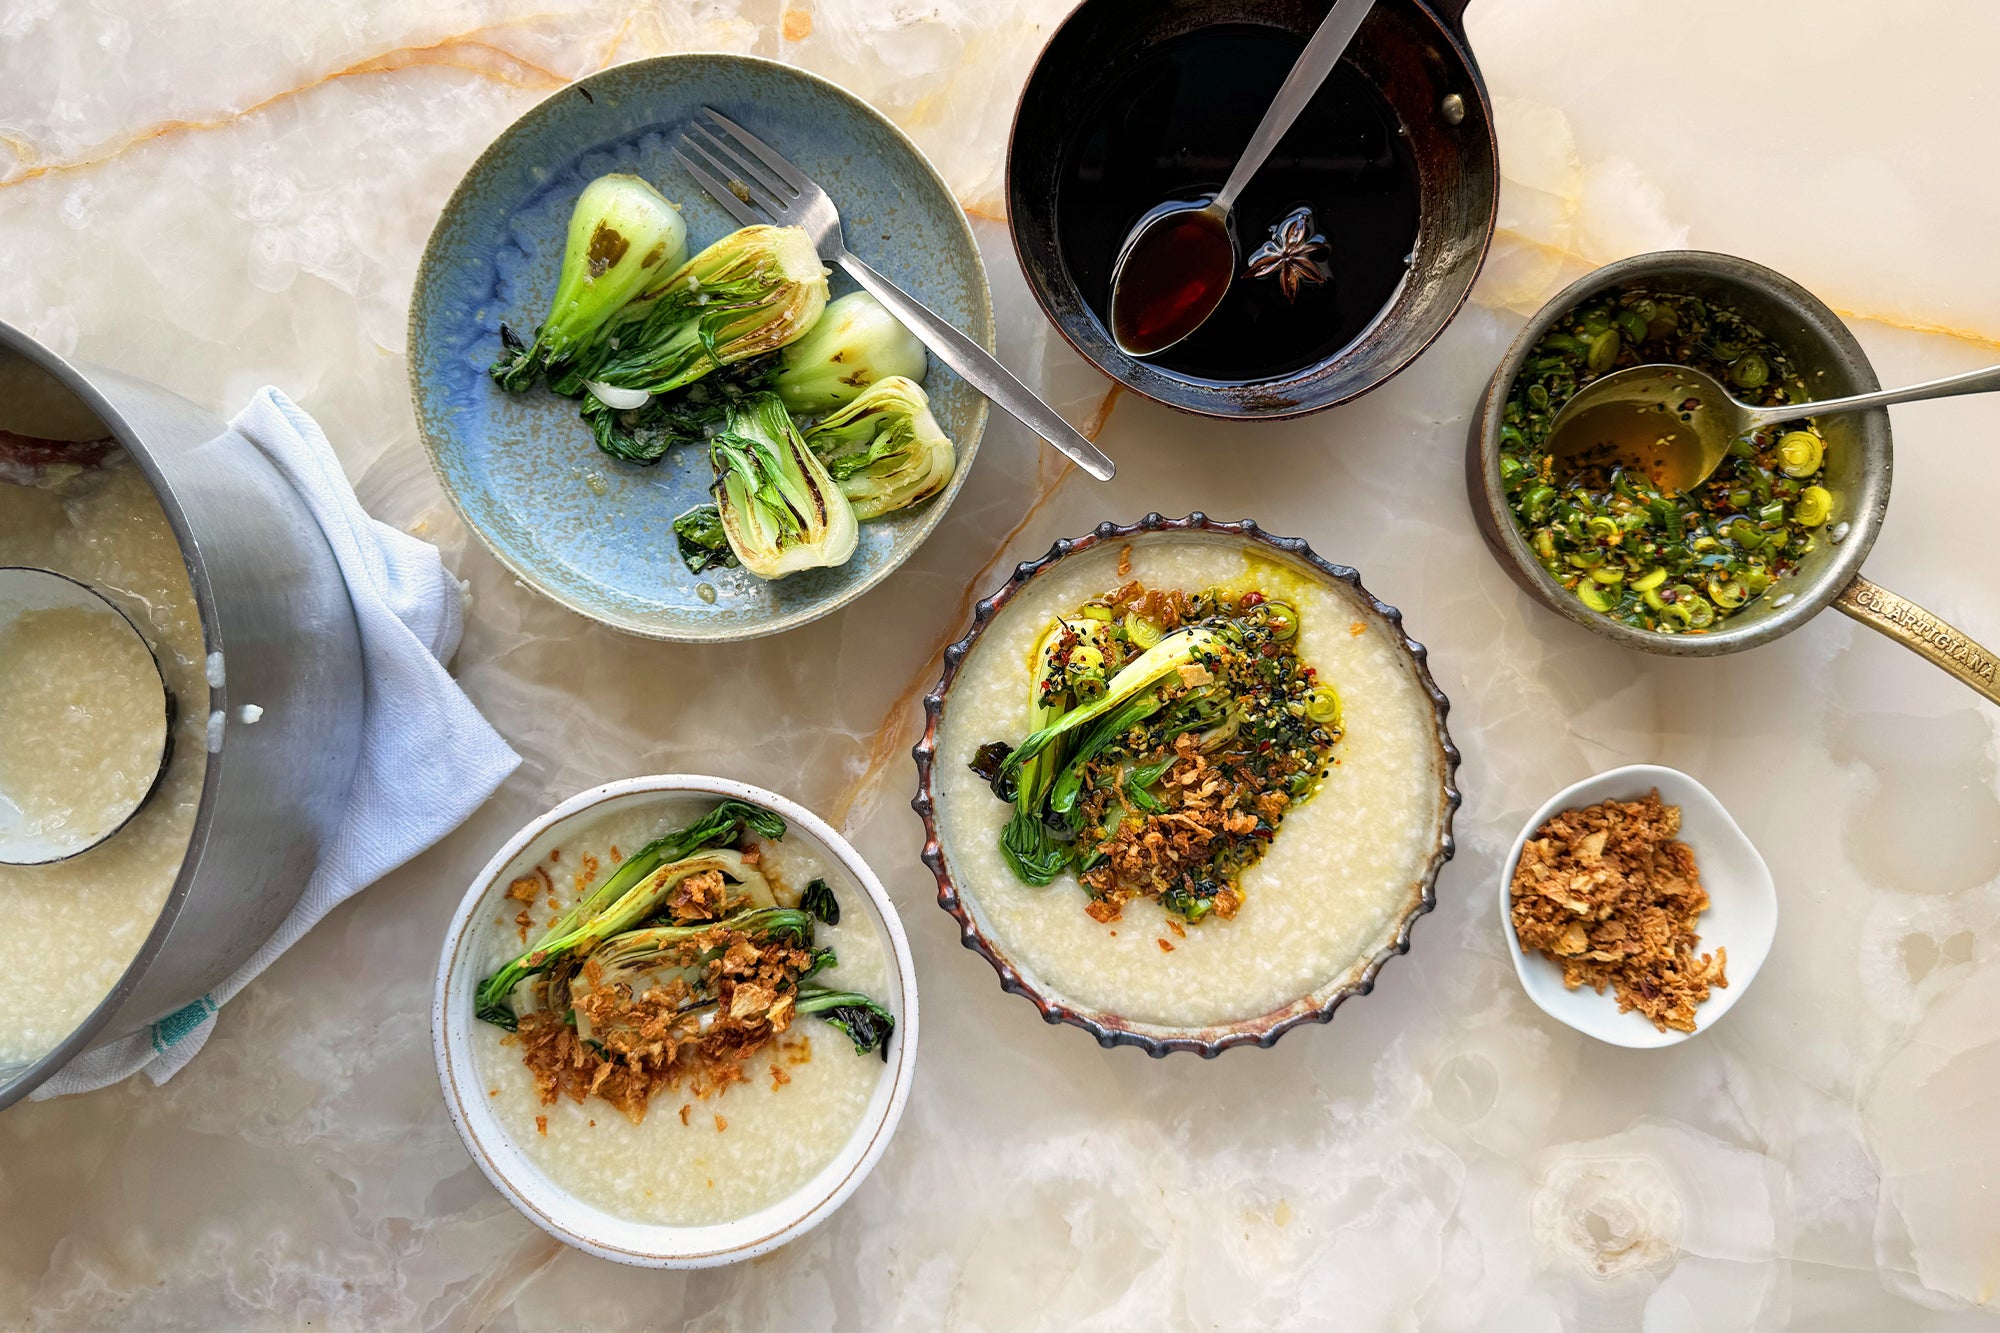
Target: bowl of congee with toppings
x=1693 y=565
x=1186 y=785
x=676 y=1021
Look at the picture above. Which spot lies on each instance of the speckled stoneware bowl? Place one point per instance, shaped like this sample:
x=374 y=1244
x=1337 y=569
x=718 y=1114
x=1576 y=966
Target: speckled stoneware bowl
x=592 y=532
x=585 y=1225
x=961 y=898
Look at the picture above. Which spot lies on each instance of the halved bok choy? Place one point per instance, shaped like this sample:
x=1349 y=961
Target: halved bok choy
x=624 y=237
x=1042 y=776
x=638 y=961
x=630 y=893
x=855 y=344
x=780 y=510
x=641 y=961
x=752 y=292
x=884 y=449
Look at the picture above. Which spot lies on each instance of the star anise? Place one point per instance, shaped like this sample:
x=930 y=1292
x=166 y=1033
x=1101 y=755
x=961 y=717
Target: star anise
x=1295 y=255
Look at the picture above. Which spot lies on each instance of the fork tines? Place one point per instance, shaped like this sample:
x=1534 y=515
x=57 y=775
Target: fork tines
x=739 y=169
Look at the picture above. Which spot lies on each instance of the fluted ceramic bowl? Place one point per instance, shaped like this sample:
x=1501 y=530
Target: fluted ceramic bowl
x=960 y=888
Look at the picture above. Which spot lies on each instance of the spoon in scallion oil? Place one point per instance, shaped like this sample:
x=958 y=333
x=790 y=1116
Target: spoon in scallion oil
x=1179 y=259
x=1675 y=423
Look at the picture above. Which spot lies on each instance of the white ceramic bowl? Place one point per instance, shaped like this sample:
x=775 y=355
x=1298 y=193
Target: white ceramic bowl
x=1742 y=914
x=584 y=1225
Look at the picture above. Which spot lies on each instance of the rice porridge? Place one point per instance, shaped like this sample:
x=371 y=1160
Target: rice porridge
x=1337 y=876
x=81 y=739
x=693 y=1159
x=74 y=926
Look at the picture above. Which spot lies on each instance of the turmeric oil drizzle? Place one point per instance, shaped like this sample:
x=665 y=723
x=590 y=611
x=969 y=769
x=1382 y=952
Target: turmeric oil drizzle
x=890 y=740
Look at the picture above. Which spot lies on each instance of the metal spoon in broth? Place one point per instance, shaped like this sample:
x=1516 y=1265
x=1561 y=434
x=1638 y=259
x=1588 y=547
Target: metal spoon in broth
x=1178 y=261
x=1675 y=424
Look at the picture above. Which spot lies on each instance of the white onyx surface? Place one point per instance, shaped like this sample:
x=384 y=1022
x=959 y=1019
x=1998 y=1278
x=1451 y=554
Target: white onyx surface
x=216 y=194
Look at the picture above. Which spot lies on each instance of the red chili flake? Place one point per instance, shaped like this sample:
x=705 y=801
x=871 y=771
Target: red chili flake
x=1253 y=598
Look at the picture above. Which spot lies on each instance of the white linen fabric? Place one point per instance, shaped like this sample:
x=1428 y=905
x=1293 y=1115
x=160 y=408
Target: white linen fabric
x=428 y=759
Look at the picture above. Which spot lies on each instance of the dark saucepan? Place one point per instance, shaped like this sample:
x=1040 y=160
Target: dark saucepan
x=1097 y=83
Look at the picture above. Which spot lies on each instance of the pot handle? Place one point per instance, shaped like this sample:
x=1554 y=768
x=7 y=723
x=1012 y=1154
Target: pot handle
x=1452 y=12
x=1923 y=633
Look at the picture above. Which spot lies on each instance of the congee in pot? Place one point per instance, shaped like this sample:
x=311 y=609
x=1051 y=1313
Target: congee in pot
x=73 y=502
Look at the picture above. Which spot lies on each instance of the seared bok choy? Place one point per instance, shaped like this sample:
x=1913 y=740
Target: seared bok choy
x=884 y=449
x=678 y=975
x=657 y=956
x=752 y=292
x=623 y=238
x=780 y=509
x=1169 y=734
x=728 y=823
x=702 y=542
x=1042 y=776
x=856 y=343
x=867 y=1024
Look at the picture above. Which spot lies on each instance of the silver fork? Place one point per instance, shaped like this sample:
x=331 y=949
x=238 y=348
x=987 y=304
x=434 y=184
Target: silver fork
x=755 y=184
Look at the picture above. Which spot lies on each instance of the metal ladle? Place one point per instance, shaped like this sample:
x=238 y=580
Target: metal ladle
x=1675 y=423
x=24 y=590
x=1187 y=249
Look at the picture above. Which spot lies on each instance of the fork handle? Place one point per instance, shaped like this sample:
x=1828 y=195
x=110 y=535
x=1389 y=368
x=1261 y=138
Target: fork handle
x=977 y=367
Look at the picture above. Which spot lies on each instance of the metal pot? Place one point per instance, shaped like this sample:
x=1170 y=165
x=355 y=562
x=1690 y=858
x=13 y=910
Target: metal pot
x=1415 y=54
x=1858 y=465
x=273 y=603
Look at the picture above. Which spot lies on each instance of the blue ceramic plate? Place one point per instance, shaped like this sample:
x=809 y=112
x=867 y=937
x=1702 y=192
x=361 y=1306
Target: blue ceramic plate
x=597 y=534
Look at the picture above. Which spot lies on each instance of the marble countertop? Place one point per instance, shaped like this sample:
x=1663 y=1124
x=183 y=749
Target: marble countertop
x=217 y=194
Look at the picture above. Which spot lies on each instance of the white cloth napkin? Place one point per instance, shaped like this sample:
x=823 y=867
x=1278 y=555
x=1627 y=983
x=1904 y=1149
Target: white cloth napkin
x=428 y=759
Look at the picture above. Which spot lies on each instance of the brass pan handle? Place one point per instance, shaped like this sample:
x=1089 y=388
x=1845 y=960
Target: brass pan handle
x=1921 y=632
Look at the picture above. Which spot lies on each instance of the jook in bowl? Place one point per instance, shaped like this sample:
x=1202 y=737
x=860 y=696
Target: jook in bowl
x=1230 y=839
x=687 y=1094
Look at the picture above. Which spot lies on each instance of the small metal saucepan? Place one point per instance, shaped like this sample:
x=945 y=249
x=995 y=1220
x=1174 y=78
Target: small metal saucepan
x=1413 y=53
x=1858 y=464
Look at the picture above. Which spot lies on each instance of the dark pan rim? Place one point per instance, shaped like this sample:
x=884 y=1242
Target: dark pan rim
x=1110 y=1030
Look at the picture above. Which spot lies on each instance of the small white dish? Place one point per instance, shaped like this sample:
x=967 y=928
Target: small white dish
x=585 y=1225
x=1742 y=914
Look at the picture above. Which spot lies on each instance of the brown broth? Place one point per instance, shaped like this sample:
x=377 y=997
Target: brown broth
x=1173 y=276
x=1171 y=125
